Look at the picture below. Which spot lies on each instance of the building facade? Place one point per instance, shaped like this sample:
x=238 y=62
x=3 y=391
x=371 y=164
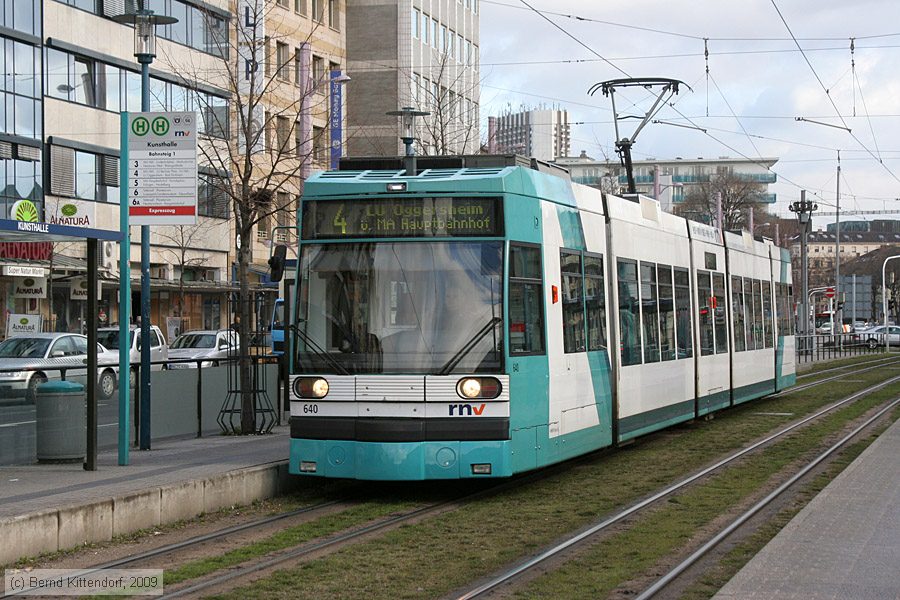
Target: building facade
x=418 y=53
x=544 y=134
x=71 y=71
x=670 y=180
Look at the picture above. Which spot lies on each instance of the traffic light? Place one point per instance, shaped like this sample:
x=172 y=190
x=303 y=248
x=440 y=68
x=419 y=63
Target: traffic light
x=840 y=306
x=276 y=262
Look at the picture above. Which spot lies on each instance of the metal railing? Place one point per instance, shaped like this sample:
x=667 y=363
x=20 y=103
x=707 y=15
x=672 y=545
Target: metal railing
x=185 y=401
x=811 y=348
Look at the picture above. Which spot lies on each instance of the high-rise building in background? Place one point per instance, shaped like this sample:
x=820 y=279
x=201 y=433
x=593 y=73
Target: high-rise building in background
x=541 y=133
x=422 y=54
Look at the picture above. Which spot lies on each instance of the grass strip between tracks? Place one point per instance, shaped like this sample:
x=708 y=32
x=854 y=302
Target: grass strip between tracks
x=452 y=550
x=286 y=538
x=734 y=560
x=605 y=567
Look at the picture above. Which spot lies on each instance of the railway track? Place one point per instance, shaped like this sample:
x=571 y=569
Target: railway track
x=882 y=360
x=669 y=578
x=535 y=562
x=314 y=547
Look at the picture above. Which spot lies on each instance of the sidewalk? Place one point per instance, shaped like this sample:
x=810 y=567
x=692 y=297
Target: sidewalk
x=52 y=507
x=843 y=544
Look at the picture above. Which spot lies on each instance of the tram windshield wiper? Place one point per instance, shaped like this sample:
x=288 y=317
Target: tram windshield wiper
x=461 y=353
x=319 y=351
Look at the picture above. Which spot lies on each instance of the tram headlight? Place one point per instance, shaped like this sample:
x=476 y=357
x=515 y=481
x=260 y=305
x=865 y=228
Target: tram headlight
x=471 y=388
x=310 y=387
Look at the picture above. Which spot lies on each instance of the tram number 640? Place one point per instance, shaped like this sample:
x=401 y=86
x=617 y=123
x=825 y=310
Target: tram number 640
x=310 y=409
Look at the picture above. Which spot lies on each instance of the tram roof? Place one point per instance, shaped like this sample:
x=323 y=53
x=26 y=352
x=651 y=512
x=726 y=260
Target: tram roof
x=505 y=174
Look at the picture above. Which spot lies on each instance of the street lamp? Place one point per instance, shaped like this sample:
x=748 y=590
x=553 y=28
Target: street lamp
x=408 y=116
x=144 y=22
x=804 y=210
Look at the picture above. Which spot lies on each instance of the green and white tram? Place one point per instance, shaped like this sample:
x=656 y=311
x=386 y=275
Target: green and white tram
x=481 y=322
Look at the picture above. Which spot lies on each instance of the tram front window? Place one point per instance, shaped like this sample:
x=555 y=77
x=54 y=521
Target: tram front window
x=401 y=307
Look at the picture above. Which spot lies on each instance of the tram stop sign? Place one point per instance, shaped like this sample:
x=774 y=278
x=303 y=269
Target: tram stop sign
x=829 y=293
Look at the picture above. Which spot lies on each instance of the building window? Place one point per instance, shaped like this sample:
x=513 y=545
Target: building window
x=318 y=70
x=212 y=196
x=435 y=32
x=300 y=6
x=526 y=309
x=283 y=57
x=20 y=89
x=318 y=10
x=319 y=144
x=19 y=179
x=283 y=134
x=426 y=28
x=22 y=15
x=196 y=27
x=416 y=15
x=83 y=175
x=334 y=15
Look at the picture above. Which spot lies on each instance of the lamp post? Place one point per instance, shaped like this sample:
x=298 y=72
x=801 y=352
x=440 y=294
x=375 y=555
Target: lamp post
x=408 y=116
x=804 y=210
x=336 y=125
x=144 y=22
x=884 y=302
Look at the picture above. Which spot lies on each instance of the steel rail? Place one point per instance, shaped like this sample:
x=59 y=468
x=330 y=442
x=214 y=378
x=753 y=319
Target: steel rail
x=859 y=364
x=554 y=551
x=702 y=551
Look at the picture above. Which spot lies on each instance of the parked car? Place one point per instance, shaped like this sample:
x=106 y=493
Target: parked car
x=42 y=354
x=875 y=336
x=213 y=346
x=159 y=351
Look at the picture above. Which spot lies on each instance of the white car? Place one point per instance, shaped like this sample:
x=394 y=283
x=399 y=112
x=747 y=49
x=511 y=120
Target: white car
x=159 y=351
x=875 y=336
x=42 y=354
x=212 y=346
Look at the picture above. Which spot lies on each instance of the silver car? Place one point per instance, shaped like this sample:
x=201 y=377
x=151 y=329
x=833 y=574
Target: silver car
x=42 y=354
x=159 y=351
x=212 y=346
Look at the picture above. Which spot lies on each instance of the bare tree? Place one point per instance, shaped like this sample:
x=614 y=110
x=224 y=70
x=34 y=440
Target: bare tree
x=452 y=126
x=739 y=197
x=264 y=139
x=185 y=240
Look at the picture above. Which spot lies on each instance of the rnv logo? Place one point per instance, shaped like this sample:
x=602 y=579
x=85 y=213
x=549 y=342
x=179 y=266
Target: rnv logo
x=466 y=410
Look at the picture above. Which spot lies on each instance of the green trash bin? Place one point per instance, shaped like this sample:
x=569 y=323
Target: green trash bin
x=61 y=414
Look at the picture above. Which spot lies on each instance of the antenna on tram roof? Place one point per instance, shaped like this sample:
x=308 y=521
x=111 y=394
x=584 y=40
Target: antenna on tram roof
x=667 y=89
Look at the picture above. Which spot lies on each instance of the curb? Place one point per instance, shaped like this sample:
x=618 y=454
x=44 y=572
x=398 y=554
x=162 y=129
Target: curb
x=99 y=521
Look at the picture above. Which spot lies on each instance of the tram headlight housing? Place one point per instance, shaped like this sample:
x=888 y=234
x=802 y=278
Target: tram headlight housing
x=473 y=388
x=310 y=387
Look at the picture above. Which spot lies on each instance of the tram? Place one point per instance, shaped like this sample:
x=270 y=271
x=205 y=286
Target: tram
x=482 y=321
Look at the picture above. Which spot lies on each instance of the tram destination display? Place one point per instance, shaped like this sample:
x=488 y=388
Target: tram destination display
x=438 y=216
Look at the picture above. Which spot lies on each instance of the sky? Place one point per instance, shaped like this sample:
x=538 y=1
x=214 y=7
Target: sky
x=759 y=81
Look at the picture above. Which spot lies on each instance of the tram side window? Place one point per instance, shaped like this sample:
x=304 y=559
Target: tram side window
x=705 y=299
x=650 y=312
x=629 y=312
x=572 y=302
x=683 y=313
x=758 y=341
x=737 y=310
x=526 y=304
x=748 y=313
x=666 y=312
x=719 y=313
x=767 y=313
x=595 y=302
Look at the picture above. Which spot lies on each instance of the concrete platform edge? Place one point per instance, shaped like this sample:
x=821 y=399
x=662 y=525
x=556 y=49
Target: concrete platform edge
x=100 y=520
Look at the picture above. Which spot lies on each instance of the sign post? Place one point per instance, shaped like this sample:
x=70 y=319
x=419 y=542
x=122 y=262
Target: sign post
x=162 y=168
